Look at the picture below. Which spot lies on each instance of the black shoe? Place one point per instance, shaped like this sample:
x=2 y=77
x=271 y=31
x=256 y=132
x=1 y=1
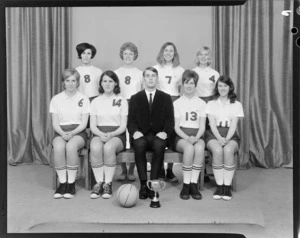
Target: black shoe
x=162 y=175
x=171 y=176
x=219 y=192
x=185 y=194
x=194 y=191
x=97 y=190
x=70 y=190
x=107 y=190
x=60 y=191
x=227 y=192
x=144 y=192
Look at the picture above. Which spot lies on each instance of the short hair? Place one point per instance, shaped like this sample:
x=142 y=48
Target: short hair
x=114 y=77
x=189 y=74
x=151 y=69
x=204 y=48
x=227 y=80
x=130 y=46
x=160 y=57
x=70 y=72
x=83 y=46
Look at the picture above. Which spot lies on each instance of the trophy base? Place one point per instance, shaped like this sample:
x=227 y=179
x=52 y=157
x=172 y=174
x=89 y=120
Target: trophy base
x=155 y=204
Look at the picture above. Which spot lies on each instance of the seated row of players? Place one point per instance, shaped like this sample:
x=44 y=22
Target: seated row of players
x=151 y=122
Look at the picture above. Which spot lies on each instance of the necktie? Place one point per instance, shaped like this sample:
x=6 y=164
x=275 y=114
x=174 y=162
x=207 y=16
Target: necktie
x=150 y=102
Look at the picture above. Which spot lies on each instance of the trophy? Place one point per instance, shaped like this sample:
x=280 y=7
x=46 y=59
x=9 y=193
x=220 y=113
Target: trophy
x=155 y=185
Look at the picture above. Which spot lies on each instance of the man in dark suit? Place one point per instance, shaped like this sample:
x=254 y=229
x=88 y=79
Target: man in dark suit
x=150 y=124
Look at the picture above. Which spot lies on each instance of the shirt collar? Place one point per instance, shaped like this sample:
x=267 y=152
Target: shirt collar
x=148 y=93
x=219 y=101
x=65 y=96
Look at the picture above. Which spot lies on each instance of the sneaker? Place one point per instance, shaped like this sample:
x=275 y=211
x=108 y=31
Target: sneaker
x=131 y=177
x=219 y=192
x=107 y=190
x=171 y=176
x=60 y=191
x=122 y=176
x=184 y=194
x=97 y=190
x=70 y=190
x=162 y=175
x=194 y=191
x=227 y=193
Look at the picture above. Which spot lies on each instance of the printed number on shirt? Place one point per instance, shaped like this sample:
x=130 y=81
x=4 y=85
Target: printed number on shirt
x=127 y=79
x=117 y=103
x=87 y=78
x=170 y=79
x=191 y=116
x=80 y=103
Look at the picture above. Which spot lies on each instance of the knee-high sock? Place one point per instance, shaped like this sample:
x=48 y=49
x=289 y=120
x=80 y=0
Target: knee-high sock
x=98 y=171
x=218 y=173
x=196 y=170
x=109 y=171
x=72 y=171
x=187 y=174
x=228 y=174
x=62 y=174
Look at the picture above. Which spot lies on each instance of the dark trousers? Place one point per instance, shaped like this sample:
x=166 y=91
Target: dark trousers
x=149 y=142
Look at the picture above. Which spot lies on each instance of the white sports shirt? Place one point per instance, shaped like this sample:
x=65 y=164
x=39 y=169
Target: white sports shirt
x=131 y=80
x=109 y=109
x=207 y=80
x=169 y=78
x=189 y=111
x=69 y=109
x=89 y=80
x=224 y=113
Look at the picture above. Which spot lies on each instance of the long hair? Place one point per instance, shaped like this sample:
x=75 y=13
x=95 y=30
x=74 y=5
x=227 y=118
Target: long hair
x=160 y=57
x=227 y=80
x=114 y=77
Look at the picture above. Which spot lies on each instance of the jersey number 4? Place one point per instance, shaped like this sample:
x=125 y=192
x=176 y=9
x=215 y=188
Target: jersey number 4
x=192 y=116
x=117 y=103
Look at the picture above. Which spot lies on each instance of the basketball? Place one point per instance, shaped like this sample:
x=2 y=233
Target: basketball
x=127 y=195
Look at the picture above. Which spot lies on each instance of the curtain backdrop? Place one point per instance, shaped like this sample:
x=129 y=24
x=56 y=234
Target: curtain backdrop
x=37 y=52
x=253 y=45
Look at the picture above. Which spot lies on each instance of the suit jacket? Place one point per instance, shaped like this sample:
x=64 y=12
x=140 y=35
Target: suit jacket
x=161 y=118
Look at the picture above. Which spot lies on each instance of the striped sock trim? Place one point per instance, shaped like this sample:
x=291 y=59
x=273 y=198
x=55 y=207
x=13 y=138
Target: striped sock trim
x=197 y=167
x=186 y=168
x=217 y=166
x=69 y=167
x=60 y=168
x=110 y=165
x=95 y=166
x=229 y=168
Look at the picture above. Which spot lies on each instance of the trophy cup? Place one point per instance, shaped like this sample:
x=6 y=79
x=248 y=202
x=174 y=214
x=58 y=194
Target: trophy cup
x=155 y=185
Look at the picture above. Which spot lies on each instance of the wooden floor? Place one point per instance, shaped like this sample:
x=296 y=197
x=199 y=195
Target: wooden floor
x=262 y=207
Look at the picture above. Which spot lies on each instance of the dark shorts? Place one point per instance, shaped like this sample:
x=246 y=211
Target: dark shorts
x=106 y=129
x=174 y=98
x=223 y=132
x=189 y=132
x=71 y=128
x=207 y=99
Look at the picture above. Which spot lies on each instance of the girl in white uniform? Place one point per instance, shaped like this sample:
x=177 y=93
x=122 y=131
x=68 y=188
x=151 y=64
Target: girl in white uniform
x=169 y=81
x=221 y=139
x=89 y=74
x=131 y=80
x=108 y=124
x=207 y=76
x=70 y=111
x=190 y=117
